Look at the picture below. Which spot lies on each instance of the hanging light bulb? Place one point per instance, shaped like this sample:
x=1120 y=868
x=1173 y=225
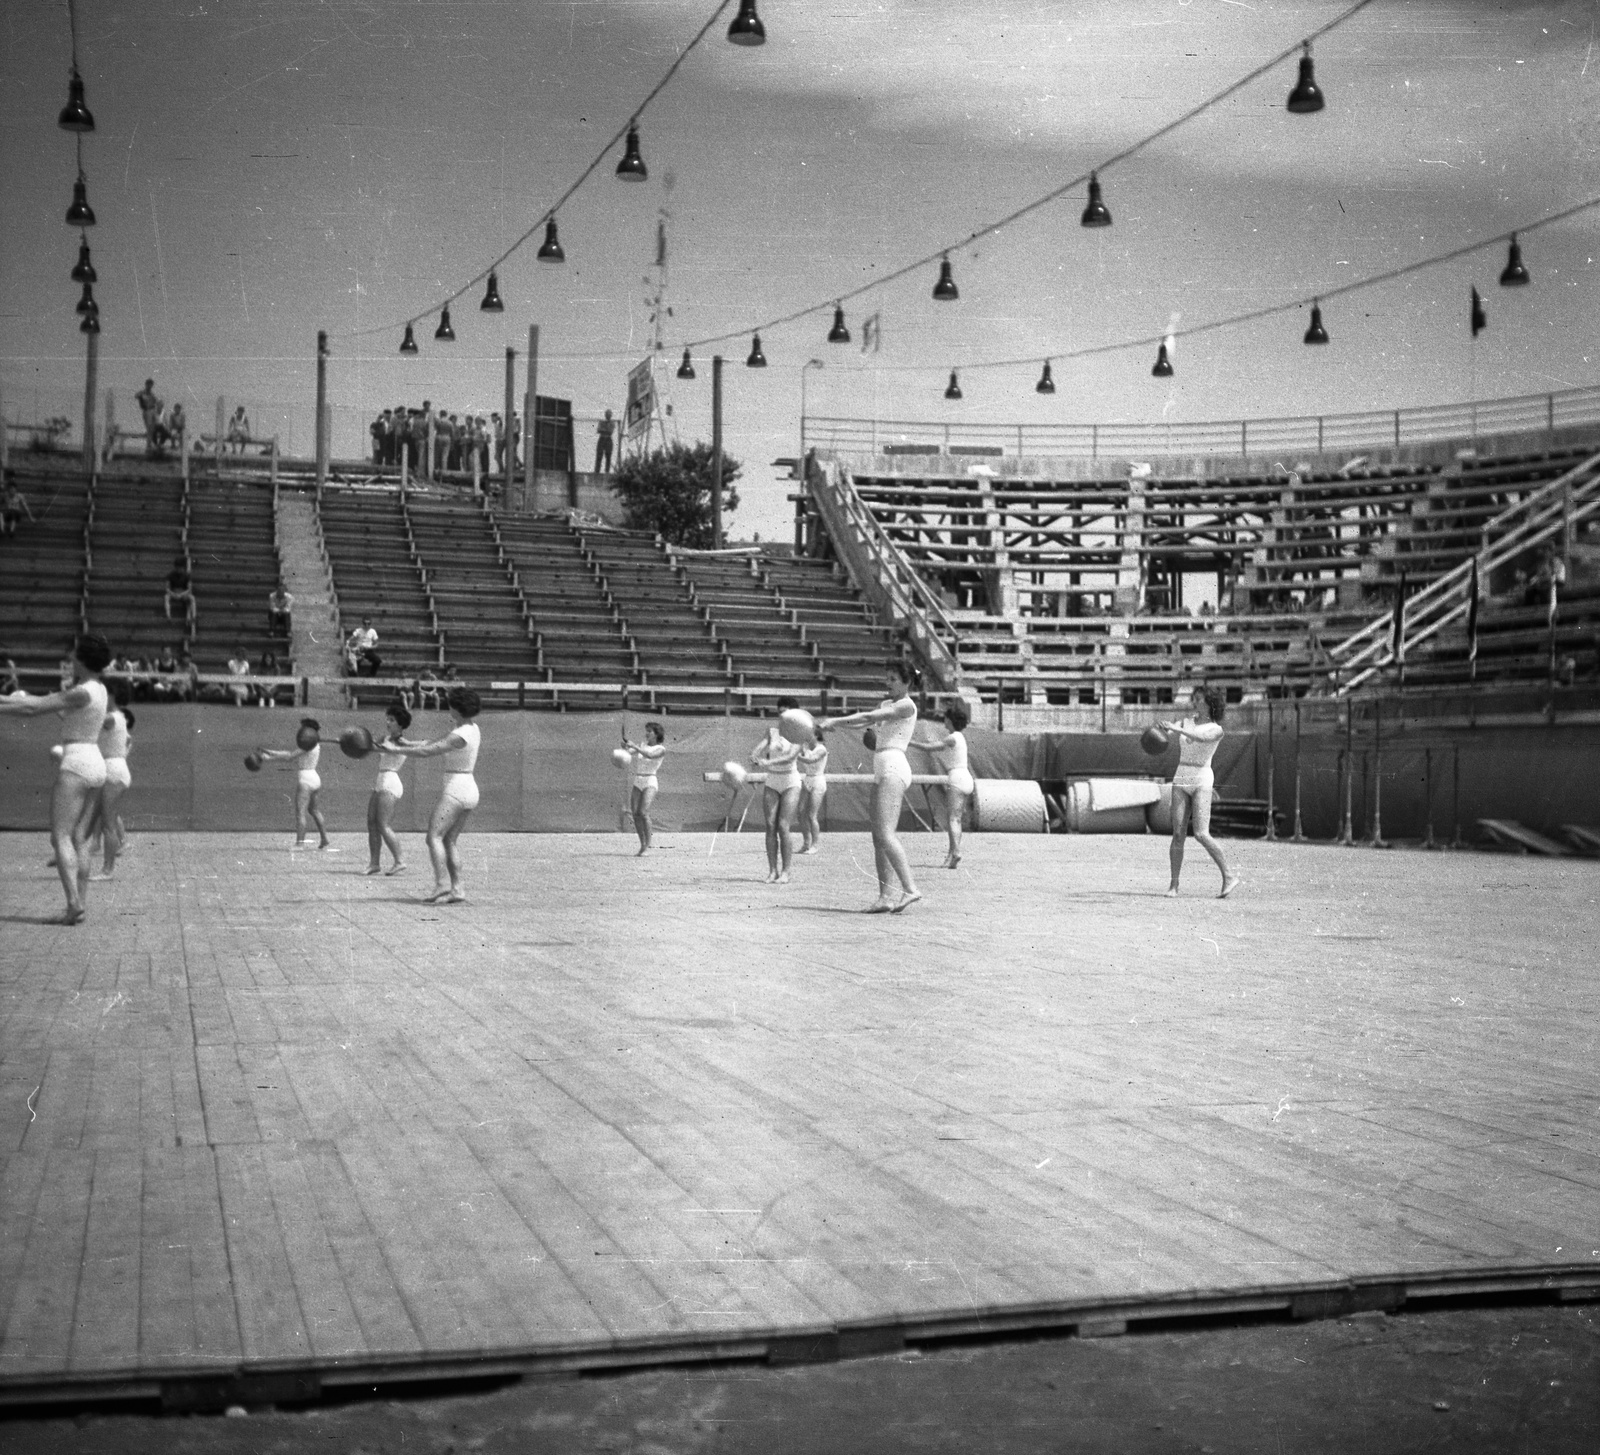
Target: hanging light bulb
x=632 y=168
x=491 y=297
x=1515 y=274
x=686 y=369
x=838 y=334
x=444 y=333
x=1046 y=384
x=84 y=271
x=80 y=214
x=408 y=345
x=945 y=289
x=747 y=28
x=1096 y=214
x=1305 y=98
x=550 y=248
x=86 y=304
x=75 y=115
x=90 y=324
x=1316 y=334
x=1163 y=365
x=1479 y=318
x=757 y=359
x=953 y=389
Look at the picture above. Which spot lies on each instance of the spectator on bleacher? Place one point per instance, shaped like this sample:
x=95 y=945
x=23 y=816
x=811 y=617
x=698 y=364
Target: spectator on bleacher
x=360 y=650
x=189 y=689
x=13 y=506
x=280 y=604
x=179 y=588
x=150 y=411
x=9 y=681
x=270 y=666
x=379 y=430
x=239 y=666
x=239 y=430
x=177 y=424
x=163 y=669
x=602 y=444
x=480 y=442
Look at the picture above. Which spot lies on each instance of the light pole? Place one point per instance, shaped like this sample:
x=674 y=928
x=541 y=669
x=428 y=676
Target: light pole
x=809 y=364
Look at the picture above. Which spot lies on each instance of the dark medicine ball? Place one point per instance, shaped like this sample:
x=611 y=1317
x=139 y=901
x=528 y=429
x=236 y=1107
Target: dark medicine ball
x=306 y=739
x=1154 y=741
x=252 y=761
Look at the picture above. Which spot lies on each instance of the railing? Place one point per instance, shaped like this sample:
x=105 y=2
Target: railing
x=1558 y=506
x=880 y=568
x=1321 y=433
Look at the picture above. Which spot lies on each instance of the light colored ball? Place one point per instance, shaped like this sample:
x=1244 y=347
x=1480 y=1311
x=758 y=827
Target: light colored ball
x=797 y=726
x=621 y=757
x=56 y=751
x=733 y=774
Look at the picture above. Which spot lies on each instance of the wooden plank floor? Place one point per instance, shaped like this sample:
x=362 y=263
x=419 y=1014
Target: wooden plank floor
x=261 y=1107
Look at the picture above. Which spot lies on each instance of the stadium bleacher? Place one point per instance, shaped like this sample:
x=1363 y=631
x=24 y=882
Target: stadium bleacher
x=41 y=573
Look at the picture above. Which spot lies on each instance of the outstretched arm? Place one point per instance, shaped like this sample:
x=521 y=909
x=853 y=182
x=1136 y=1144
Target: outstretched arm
x=437 y=748
x=889 y=712
x=25 y=704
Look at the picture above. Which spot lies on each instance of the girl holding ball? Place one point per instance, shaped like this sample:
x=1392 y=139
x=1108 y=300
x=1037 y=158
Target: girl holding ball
x=1193 y=783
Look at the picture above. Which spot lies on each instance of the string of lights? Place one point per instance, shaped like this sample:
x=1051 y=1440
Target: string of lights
x=1305 y=98
x=746 y=29
x=76 y=117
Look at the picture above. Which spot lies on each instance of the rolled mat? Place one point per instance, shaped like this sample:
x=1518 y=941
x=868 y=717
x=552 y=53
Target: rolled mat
x=1109 y=793
x=1008 y=806
x=1082 y=818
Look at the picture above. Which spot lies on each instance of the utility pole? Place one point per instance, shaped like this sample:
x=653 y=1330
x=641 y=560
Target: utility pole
x=90 y=377
x=716 y=452
x=322 y=412
x=508 y=463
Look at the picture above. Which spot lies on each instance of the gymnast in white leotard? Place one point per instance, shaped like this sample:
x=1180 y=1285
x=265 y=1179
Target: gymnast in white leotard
x=780 y=758
x=950 y=752
x=116 y=743
x=813 y=789
x=82 y=771
x=647 y=758
x=386 y=793
x=893 y=722
x=305 y=755
x=459 y=749
x=1193 y=783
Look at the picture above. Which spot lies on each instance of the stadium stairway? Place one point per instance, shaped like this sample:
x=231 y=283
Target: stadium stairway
x=41 y=573
x=306 y=575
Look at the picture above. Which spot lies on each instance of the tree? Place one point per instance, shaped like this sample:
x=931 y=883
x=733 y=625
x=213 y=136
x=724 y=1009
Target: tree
x=668 y=492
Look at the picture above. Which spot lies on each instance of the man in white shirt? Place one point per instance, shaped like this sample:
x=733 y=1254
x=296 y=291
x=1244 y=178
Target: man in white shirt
x=360 y=651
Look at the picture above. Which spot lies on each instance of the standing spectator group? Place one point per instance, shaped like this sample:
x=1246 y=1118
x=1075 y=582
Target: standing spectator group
x=457 y=439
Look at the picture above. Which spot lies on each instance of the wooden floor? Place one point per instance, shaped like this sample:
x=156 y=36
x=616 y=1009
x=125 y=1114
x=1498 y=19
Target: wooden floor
x=262 y=1108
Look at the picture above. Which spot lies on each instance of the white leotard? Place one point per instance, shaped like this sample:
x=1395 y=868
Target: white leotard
x=114 y=735
x=889 y=761
x=465 y=758
x=1195 y=755
x=953 y=757
x=306 y=761
x=389 y=765
x=646 y=764
x=780 y=758
x=82 y=724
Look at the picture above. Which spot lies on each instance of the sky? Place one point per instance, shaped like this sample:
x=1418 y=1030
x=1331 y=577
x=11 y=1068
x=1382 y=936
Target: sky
x=261 y=171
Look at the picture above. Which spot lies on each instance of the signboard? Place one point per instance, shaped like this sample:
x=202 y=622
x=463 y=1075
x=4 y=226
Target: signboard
x=641 y=400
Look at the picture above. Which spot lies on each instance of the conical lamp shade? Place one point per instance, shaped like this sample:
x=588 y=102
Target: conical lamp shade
x=1479 y=318
x=75 y=115
x=491 y=297
x=1096 y=214
x=80 y=214
x=632 y=168
x=1316 y=334
x=1163 y=365
x=86 y=304
x=84 y=271
x=1305 y=97
x=408 y=345
x=838 y=334
x=444 y=332
x=945 y=289
x=953 y=389
x=550 y=248
x=1515 y=275
x=757 y=359
x=747 y=28
x=1046 y=384
x=90 y=324
x=686 y=369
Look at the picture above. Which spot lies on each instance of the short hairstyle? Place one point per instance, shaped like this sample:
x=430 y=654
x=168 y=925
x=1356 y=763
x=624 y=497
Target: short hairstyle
x=311 y=723
x=93 y=650
x=400 y=713
x=787 y=704
x=956 y=714
x=127 y=714
x=1216 y=702
x=465 y=701
x=655 y=728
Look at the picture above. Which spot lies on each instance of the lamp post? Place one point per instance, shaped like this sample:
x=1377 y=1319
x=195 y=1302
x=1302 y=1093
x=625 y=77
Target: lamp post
x=809 y=364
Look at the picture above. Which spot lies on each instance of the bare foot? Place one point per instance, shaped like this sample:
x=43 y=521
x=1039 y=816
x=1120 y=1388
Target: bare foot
x=399 y=868
x=782 y=879
x=906 y=902
x=101 y=877
x=328 y=848
x=1171 y=893
x=372 y=869
x=1229 y=885
x=456 y=896
x=880 y=906
x=437 y=897
x=641 y=853
x=73 y=916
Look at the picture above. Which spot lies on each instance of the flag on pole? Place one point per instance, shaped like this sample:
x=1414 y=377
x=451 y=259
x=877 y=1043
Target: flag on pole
x=1399 y=647
x=1472 y=622
x=872 y=334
